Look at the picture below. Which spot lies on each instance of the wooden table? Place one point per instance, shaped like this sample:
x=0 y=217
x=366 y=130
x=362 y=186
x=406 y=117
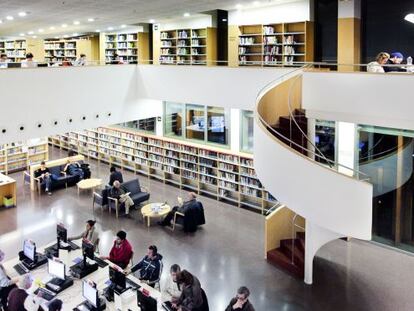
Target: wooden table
x=7 y=189
x=72 y=296
x=87 y=184
x=148 y=211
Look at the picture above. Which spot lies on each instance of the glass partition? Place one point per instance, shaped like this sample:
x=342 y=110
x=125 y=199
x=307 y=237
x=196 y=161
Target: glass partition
x=217 y=131
x=174 y=119
x=195 y=122
x=246 y=144
x=144 y=125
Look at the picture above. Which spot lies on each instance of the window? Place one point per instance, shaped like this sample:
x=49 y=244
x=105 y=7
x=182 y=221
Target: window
x=217 y=131
x=247 y=131
x=145 y=125
x=195 y=122
x=173 y=125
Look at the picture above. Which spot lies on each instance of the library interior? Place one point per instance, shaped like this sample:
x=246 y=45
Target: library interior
x=206 y=155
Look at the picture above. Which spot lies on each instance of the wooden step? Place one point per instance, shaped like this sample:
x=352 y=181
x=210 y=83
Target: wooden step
x=287 y=247
x=277 y=258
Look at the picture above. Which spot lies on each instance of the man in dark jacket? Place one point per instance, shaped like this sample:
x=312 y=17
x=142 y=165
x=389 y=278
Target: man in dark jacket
x=150 y=267
x=191 y=202
x=241 y=301
x=115 y=175
x=395 y=59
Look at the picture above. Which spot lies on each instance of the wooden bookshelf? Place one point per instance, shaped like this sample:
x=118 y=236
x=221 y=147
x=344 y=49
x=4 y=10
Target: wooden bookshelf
x=132 y=48
x=209 y=171
x=19 y=156
x=188 y=46
x=274 y=44
x=58 y=50
x=14 y=49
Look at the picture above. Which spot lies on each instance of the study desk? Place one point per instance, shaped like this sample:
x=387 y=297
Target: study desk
x=7 y=189
x=72 y=296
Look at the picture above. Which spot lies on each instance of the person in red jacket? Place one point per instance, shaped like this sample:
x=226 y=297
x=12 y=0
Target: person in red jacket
x=121 y=252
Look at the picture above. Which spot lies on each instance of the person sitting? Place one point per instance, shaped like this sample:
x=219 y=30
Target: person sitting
x=121 y=252
x=172 y=290
x=6 y=284
x=396 y=58
x=20 y=300
x=56 y=305
x=377 y=65
x=29 y=62
x=115 y=175
x=45 y=177
x=3 y=60
x=191 y=297
x=90 y=234
x=241 y=301
x=117 y=192
x=149 y=267
x=182 y=208
x=81 y=61
x=73 y=168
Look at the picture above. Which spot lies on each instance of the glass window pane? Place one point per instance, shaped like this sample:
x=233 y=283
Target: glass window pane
x=144 y=125
x=196 y=121
x=173 y=119
x=217 y=131
x=247 y=131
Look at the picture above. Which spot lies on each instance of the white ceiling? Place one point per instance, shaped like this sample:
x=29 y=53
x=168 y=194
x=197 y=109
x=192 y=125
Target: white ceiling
x=43 y=14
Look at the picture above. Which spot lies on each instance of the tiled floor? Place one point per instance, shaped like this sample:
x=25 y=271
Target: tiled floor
x=226 y=253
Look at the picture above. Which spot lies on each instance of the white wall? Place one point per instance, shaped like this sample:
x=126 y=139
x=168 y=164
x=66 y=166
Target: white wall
x=283 y=13
x=362 y=98
x=189 y=22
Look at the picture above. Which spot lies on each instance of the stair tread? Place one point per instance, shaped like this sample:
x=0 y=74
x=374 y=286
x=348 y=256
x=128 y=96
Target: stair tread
x=279 y=259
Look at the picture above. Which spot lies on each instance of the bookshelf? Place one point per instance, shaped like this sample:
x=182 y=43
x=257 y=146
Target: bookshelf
x=214 y=172
x=58 y=50
x=19 y=156
x=14 y=49
x=188 y=46
x=275 y=44
x=132 y=48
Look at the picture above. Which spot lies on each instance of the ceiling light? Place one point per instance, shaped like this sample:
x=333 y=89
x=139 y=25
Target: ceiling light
x=22 y=14
x=76 y=23
x=64 y=25
x=91 y=19
x=22 y=35
x=40 y=30
x=52 y=28
x=65 y=36
x=57 y=37
x=152 y=21
x=256 y=3
x=238 y=6
x=123 y=26
x=110 y=28
x=30 y=32
x=97 y=30
x=1 y=22
x=186 y=14
x=409 y=18
x=75 y=34
x=9 y=18
x=34 y=37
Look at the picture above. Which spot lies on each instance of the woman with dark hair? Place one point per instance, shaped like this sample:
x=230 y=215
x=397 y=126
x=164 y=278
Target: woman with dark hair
x=56 y=305
x=191 y=298
x=90 y=234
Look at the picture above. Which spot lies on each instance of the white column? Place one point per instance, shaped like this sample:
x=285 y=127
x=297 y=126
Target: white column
x=311 y=136
x=346 y=147
x=235 y=130
x=350 y=8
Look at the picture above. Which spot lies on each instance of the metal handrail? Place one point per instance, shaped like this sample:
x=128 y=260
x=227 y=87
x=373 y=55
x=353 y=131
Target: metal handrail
x=294 y=236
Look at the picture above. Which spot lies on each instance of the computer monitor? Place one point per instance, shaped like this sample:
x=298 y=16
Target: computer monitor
x=146 y=303
x=90 y=293
x=62 y=233
x=56 y=268
x=14 y=65
x=117 y=277
x=29 y=249
x=88 y=249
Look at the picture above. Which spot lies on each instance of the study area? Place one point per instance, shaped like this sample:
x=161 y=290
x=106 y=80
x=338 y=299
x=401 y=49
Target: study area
x=212 y=155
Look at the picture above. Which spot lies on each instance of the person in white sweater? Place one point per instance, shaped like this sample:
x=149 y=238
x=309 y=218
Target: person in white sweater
x=172 y=290
x=377 y=65
x=6 y=284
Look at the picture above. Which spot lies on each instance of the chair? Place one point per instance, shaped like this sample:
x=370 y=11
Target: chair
x=100 y=199
x=204 y=306
x=193 y=218
x=26 y=178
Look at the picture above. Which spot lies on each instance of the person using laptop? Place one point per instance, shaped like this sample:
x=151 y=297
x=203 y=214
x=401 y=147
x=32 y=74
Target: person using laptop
x=172 y=290
x=90 y=234
x=20 y=300
x=149 y=267
x=241 y=301
x=182 y=207
x=117 y=192
x=191 y=297
x=6 y=284
x=73 y=168
x=121 y=252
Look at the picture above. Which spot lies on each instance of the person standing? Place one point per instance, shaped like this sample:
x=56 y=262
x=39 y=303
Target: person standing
x=118 y=193
x=241 y=301
x=172 y=290
x=121 y=252
x=191 y=297
x=90 y=234
x=6 y=284
x=115 y=175
x=29 y=62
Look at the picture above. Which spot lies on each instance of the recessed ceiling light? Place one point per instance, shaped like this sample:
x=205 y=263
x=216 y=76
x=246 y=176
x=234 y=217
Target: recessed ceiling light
x=30 y=32
x=186 y=14
x=40 y=30
x=76 y=23
x=409 y=18
x=64 y=25
x=52 y=27
x=110 y=28
x=75 y=34
x=91 y=19
x=22 y=35
x=9 y=18
x=34 y=37
x=22 y=14
x=97 y=30
x=123 y=26
x=152 y=21
x=238 y=6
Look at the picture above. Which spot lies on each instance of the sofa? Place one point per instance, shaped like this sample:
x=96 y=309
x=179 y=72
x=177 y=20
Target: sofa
x=138 y=194
x=193 y=218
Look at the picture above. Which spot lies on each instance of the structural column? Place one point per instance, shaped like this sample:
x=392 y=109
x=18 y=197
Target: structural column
x=349 y=34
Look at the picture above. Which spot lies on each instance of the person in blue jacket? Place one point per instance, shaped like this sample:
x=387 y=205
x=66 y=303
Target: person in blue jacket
x=150 y=267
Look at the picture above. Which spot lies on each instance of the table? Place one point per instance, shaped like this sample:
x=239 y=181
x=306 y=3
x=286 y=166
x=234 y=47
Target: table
x=148 y=211
x=90 y=183
x=7 y=189
x=72 y=296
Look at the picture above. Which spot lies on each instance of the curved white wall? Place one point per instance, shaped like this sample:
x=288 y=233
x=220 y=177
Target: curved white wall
x=330 y=200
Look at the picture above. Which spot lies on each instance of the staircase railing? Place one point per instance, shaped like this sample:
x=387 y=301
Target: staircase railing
x=294 y=226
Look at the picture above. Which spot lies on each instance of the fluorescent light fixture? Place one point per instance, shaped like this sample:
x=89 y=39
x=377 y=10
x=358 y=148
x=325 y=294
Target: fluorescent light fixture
x=123 y=26
x=97 y=30
x=64 y=25
x=75 y=34
x=110 y=28
x=76 y=23
x=40 y=30
x=187 y=14
x=9 y=18
x=30 y=32
x=409 y=18
x=152 y=21
x=22 y=14
x=91 y=19
x=52 y=28
x=22 y=35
